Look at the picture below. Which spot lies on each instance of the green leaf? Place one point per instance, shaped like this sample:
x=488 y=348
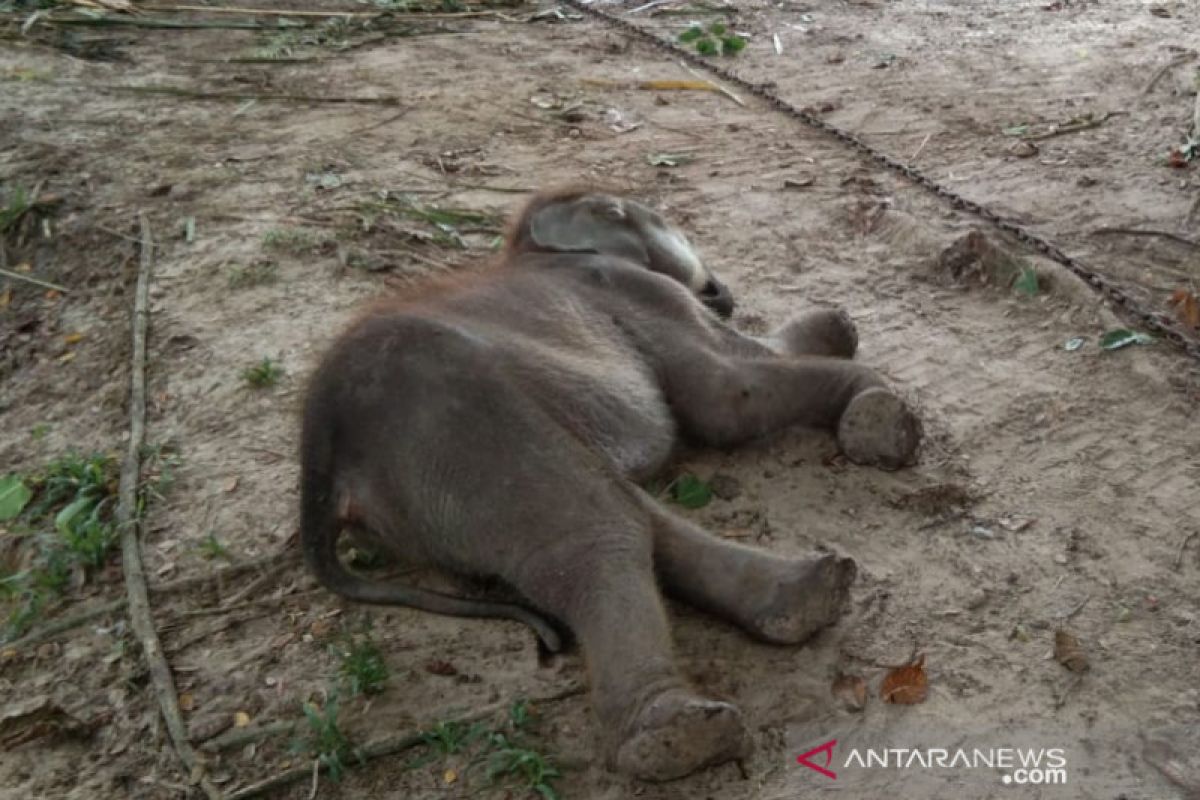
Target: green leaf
x=691 y=492
x=717 y=29
x=62 y=522
x=691 y=34
x=732 y=44
x=1027 y=282
x=1073 y=344
x=1016 y=130
x=706 y=47
x=1123 y=337
x=14 y=495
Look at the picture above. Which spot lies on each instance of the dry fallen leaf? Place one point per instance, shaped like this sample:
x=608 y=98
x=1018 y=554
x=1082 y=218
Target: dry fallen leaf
x=186 y=701
x=241 y=719
x=851 y=690
x=449 y=776
x=1069 y=652
x=5 y=298
x=73 y=338
x=906 y=685
x=1187 y=307
x=439 y=667
x=231 y=484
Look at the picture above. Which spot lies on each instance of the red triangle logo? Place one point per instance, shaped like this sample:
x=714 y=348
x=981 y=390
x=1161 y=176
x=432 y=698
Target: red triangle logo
x=827 y=749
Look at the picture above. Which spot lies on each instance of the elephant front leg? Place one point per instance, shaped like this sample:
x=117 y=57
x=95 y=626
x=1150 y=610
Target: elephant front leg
x=776 y=599
x=725 y=399
x=654 y=725
x=822 y=332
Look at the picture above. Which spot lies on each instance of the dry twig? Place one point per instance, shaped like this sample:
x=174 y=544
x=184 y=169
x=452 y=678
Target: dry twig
x=1175 y=237
x=35 y=281
x=193 y=94
x=140 y=614
x=1165 y=68
x=117 y=606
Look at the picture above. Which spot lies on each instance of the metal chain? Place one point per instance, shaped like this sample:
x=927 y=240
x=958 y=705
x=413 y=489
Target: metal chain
x=1154 y=322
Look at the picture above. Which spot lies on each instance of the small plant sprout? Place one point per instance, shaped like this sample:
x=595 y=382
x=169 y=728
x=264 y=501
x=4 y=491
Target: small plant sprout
x=363 y=668
x=66 y=512
x=527 y=768
x=453 y=737
x=257 y=273
x=13 y=206
x=325 y=739
x=263 y=375
x=211 y=548
x=294 y=241
x=717 y=39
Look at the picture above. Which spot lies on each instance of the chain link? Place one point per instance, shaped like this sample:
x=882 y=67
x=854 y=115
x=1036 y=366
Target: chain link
x=1154 y=322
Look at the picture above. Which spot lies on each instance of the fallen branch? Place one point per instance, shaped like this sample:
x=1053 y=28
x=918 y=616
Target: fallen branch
x=388 y=745
x=286 y=12
x=194 y=94
x=1174 y=62
x=273 y=12
x=265 y=601
x=35 y=281
x=243 y=736
x=117 y=606
x=140 y=614
x=1175 y=237
x=148 y=22
x=1075 y=127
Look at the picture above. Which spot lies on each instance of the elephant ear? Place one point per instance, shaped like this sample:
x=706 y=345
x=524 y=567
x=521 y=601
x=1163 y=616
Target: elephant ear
x=593 y=224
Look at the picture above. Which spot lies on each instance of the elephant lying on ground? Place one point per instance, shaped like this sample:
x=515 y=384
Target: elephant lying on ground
x=499 y=427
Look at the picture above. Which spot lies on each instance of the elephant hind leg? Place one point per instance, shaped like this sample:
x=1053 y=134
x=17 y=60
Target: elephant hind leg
x=602 y=585
x=773 y=598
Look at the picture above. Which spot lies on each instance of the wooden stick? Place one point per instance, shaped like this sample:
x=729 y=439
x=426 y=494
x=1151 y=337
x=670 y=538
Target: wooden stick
x=280 y=12
x=284 y=12
x=386 y=746
x=118 y=606
x=240 y=96
x=1174 y=62
x=1072 y=128
x=129 y=522
x=35 y=281
x=1175 y=237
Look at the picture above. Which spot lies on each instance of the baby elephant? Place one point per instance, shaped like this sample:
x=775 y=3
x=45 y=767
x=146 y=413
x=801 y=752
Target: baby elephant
x=499 y=426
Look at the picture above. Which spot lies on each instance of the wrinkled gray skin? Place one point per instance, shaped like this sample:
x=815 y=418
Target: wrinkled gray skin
x=500 y=428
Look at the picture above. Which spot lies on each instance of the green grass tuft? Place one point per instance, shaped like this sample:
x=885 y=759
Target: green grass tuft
x=363 y=668
x=325 y=740
x=264 y=374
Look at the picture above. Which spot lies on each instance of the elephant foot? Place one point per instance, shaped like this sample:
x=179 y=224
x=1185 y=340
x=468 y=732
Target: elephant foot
x=806 y=596
x=824 y=332
x=678 y=733
x=878 y=429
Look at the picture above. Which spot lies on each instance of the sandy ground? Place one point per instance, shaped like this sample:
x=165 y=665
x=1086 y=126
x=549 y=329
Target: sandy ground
x=1057 y=488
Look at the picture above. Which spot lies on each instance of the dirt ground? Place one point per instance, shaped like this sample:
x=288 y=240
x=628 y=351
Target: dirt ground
x=1057 y=488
